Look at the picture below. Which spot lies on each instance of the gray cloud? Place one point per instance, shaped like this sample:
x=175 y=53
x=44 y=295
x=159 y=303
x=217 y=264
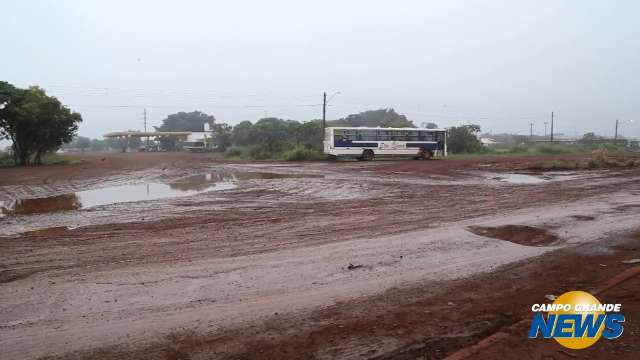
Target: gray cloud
x=502 y=64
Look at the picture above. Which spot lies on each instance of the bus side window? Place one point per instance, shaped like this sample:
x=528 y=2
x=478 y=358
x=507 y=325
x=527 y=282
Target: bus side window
x=368 y=135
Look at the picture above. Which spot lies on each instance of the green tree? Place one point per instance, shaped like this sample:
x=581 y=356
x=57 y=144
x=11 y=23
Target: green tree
x=35 y=122
x=310 y=134
x=7 y=92
x=222 y=136
x=242 y=133
x=271 y=132
x=429 y=125
x=374 y=118
x=464 y=139
x=183 y=121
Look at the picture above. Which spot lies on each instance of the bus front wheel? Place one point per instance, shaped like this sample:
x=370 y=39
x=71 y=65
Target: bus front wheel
x=367 y=155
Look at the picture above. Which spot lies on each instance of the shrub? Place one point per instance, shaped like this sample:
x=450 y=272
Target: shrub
x=518 y=150
x=462 y=139
x=611 y=147
x=233 y=152
x=301 y=153
x=260 y=152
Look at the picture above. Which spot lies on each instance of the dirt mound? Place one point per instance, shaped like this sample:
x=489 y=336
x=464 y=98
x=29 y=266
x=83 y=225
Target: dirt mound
x=519 y=234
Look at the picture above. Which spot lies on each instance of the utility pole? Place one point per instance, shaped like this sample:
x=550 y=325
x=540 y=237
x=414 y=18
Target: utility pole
x=615 y=136
x=531 y=132
x=325 y=101
x=551 y=127
x=324 y=111
x=545 y=128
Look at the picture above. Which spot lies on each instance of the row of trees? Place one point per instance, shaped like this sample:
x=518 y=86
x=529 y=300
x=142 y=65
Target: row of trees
x=274 y=135
x=34 y=122
x=269 y=134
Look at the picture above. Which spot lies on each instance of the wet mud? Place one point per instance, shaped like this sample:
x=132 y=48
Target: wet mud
x=518 y=234
x=319 y=261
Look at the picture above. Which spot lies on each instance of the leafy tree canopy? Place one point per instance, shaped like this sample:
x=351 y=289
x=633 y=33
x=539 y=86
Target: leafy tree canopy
x=429 y=125
x=35 y=122
x=222 y=136
x=464 y=139
x=183 y=121
x=242 y=133
x=271 y=131
x=374 y=118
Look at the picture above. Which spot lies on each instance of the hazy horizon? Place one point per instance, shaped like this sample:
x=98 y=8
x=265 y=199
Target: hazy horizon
x=499 y=64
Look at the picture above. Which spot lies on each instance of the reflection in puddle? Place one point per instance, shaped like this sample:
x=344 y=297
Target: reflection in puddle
x=188 y=186
x=42 y=205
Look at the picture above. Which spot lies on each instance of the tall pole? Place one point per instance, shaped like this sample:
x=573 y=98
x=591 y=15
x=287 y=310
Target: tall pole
x=545 y=128
x=615 y=136
x=324 y=116
x=531 y=132
x=552 y=126
x=324 y=110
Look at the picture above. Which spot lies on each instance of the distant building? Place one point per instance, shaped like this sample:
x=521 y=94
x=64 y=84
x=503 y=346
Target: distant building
x=488 y=142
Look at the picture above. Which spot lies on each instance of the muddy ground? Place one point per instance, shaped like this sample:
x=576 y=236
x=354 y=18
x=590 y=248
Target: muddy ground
x=349 y=260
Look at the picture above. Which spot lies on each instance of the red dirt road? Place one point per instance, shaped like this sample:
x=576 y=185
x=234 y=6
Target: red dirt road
x=262 y=271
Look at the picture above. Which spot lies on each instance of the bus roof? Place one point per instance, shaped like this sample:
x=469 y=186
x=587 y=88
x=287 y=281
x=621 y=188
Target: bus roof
x=382 y=128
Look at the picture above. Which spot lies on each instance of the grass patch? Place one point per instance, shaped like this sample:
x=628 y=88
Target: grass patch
x=260 y=152
x=302 y=153
x=6 y=160
x=557 y=149
x=234 y=152
x=599 y=159
x=55 y=159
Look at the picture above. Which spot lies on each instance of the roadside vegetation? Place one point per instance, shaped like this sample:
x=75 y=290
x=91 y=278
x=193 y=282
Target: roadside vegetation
x=39 y=125
x=6 y=159
x=36 y=124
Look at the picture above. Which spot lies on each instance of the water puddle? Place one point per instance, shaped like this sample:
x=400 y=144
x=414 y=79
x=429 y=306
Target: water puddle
x=187 y=186
x=517 y=178
x=519 y=234
x=514 y=178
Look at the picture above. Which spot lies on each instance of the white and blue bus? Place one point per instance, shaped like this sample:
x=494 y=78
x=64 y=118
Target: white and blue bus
x=367 y=143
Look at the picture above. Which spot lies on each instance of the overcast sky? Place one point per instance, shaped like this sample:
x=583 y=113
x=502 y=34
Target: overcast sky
x=501 y=64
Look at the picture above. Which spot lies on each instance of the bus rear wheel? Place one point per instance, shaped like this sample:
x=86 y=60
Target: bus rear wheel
x=426 y=154
x=367 y=155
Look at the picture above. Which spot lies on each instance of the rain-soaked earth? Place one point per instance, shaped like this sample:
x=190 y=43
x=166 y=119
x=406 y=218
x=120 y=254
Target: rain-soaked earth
x=197 y=258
